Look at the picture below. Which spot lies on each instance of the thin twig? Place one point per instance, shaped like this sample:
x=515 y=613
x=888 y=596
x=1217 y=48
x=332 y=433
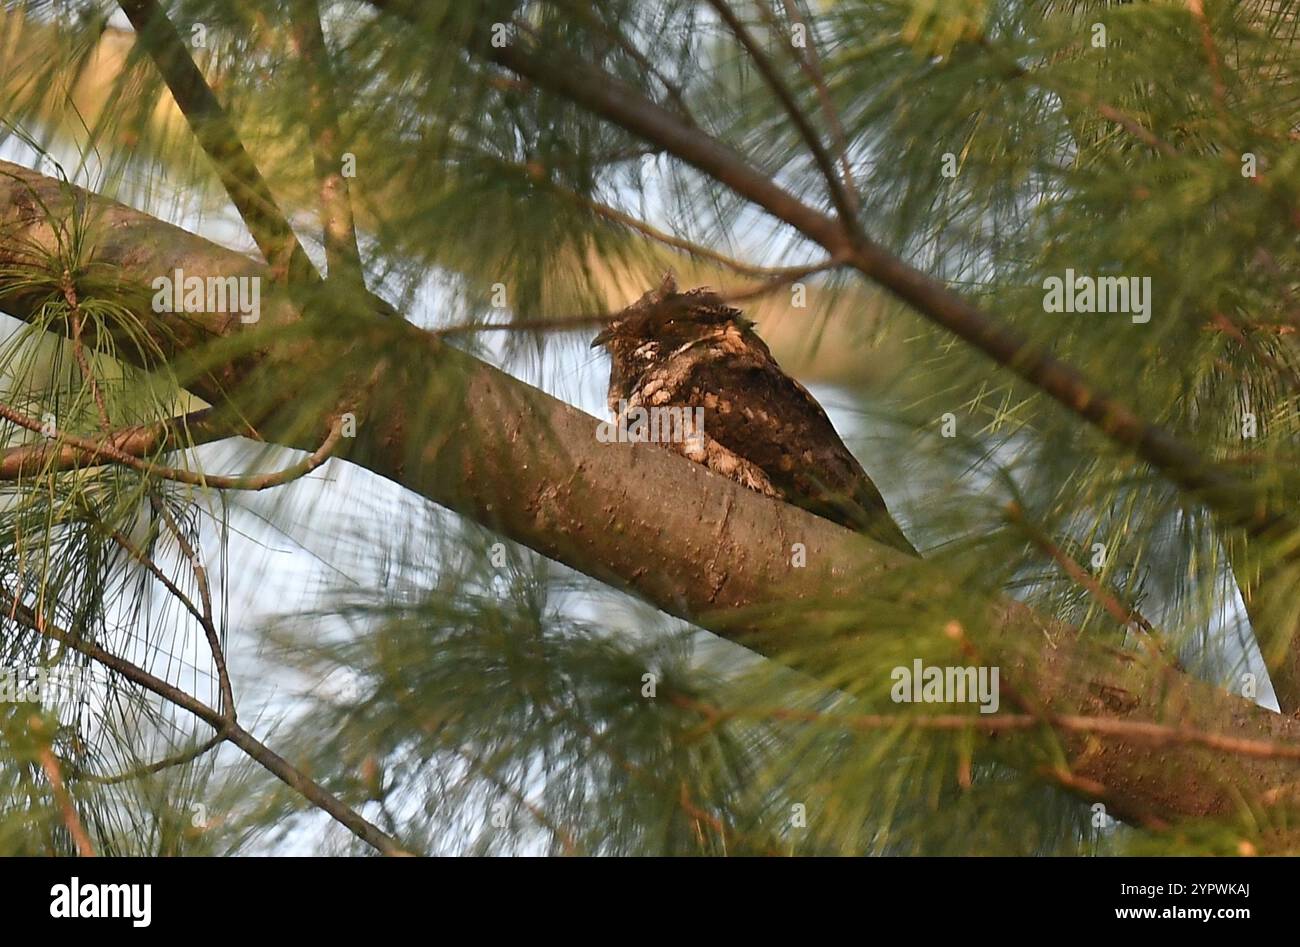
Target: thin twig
x=583 y=9
x=780 y=282
x=562 y=835
x=811 y=66
x=205 y=597
x=78 y=351
x=538 y=174
x=1130 y=125
x=1211 y=52
x=1108 y=600
x=1154 y=734
x=104 y=449
x=784 y=278
x=148 y=769
x=557 y=324
x=767 y=69
x=50 y=766
x=203 y=615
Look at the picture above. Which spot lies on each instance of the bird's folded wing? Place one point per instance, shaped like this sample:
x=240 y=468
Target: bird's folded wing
x=756 y=411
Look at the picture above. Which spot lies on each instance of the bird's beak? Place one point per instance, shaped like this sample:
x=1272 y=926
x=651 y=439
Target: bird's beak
x=602 y=337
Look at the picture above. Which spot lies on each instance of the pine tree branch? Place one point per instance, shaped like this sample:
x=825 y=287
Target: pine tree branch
x=50 y=766
x=844 y=205
x=582 y=9
x=104 y=450
x=206 y=615
x=1138 y=731
x=79 y=353
x=1204 y=481
x=615 y=101
x=558 y=832
x=810 y=63
x=217 y=137
x=226 y=728
x=148 y=769
x=29 y=460
x=639 y=226
x=1107 y=598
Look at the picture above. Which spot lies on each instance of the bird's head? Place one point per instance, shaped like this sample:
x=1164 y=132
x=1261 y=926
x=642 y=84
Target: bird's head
x=667 y=319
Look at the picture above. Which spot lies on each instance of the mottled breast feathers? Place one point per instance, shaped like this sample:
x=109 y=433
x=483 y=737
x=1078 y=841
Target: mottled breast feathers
x=761 y=427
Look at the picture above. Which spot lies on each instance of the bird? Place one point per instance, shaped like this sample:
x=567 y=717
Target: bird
x=759 y=426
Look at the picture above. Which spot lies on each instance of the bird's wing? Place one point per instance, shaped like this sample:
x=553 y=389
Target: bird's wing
x=756 y=411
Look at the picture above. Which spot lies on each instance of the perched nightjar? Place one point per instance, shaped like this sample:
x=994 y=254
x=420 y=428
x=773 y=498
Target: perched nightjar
x=761 y=428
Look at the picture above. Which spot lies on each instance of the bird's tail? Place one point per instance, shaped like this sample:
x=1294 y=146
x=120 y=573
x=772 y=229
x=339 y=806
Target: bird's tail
x=871 y=517
x=882 y=528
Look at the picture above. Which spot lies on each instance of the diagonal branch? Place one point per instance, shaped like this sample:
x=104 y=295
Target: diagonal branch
x=844 y=204
x=217 y=137
x=1229 y=496
x=50 y=766
x=617 y=102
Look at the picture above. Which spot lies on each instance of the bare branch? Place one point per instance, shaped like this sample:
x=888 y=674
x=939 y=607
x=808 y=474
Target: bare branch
x=844 y=204
x=34 y=459
x=149 y=769
x=105 y=450
x=205 y=597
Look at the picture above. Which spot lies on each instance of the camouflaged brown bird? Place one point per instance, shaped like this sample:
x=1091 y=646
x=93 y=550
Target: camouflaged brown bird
x=761 y=428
